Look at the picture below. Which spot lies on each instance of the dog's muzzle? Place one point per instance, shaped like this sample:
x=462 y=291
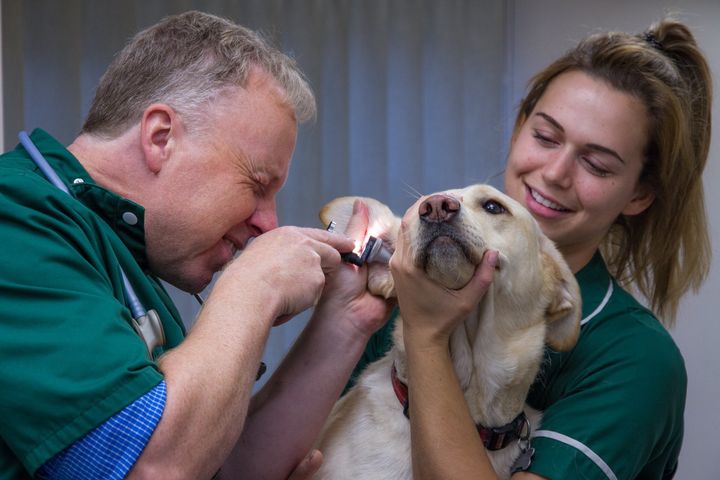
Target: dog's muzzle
x=440 y=236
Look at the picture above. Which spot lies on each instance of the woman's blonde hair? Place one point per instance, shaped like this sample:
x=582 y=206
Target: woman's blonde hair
x=664 y=251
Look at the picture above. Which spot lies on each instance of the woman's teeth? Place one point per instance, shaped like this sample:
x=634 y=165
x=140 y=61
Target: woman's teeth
x=546 y=203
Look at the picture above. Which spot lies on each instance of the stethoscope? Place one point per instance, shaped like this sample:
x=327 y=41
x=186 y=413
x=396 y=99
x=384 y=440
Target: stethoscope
x=146 y=323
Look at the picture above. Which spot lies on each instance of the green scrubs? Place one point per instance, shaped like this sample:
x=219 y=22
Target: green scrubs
x=69 y=357
x=613 y=406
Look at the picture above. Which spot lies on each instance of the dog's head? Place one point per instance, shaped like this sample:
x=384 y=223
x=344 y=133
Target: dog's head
x=449 y=234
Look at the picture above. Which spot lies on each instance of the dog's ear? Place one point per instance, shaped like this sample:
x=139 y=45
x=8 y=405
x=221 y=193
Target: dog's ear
x=563 y=313
x=339 y=211
x=382 y=223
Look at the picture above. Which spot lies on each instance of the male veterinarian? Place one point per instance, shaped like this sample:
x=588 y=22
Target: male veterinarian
x=185 y=146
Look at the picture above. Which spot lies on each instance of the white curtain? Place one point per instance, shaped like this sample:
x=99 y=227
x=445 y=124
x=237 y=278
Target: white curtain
x=412 y=94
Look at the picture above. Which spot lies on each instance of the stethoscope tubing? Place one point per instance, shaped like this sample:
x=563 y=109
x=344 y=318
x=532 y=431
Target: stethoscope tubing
x=136 y=307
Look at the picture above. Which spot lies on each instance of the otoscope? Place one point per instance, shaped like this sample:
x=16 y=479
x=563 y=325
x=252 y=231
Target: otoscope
x=374 y=251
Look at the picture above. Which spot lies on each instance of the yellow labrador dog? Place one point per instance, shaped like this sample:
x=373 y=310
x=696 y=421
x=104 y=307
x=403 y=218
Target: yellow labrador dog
x=534 y=300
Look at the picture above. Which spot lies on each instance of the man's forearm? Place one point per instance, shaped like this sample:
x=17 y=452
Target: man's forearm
x=287 y=415
x=209 y=378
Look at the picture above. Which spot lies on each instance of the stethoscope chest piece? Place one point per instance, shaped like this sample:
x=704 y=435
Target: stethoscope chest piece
x=150 y=329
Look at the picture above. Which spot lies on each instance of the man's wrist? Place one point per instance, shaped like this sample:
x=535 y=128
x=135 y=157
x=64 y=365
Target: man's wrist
x=341 y=326
x=255 y=296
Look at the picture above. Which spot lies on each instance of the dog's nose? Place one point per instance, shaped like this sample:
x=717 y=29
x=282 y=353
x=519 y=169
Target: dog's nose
x=438 y=208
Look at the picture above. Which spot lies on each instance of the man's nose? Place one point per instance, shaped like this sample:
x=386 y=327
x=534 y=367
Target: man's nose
x=265 y=217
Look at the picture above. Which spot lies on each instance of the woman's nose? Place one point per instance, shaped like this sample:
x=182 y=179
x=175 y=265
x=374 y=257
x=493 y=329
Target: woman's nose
x=559 y=168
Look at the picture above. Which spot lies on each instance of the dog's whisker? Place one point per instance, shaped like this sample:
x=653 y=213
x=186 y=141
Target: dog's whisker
x=414 y=196
x=501 y=173
x=411 y=191
x=488 y=178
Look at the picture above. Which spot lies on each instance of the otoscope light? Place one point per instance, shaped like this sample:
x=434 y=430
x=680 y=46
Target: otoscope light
x=374 y=251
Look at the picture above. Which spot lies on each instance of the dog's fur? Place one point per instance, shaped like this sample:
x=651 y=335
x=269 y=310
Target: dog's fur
x=533 y=300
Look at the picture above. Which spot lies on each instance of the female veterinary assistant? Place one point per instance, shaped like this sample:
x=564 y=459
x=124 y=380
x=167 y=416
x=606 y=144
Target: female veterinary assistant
x=607 y=154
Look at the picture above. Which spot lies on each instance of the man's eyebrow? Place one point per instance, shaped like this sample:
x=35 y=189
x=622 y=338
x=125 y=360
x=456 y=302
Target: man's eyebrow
x=591 y=146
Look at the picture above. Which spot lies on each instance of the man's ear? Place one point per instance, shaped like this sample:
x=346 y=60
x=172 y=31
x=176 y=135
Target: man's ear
x=158 y=127
x=641 y=200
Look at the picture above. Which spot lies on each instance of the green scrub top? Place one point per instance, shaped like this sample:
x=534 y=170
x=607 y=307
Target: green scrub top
x=613 y=406
x=69 y=356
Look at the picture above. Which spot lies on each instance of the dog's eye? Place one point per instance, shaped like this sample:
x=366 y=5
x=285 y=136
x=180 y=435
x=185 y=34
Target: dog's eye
x=493 y=207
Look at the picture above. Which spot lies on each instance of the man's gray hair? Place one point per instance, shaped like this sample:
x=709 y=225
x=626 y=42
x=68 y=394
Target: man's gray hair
x=185 y=61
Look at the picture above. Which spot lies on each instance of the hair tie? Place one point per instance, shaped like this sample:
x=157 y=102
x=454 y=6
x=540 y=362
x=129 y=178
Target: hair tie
x=650 y=39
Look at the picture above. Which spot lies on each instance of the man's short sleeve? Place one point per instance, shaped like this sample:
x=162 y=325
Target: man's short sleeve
x=70 y=358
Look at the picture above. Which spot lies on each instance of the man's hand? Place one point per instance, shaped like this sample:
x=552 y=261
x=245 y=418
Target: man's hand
x=287 y=266
x=345 y=294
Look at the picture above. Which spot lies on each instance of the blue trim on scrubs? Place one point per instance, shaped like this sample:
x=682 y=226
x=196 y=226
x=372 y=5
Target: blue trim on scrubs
x=110 y=450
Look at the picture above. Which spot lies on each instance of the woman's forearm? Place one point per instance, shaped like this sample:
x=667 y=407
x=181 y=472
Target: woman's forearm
x=445 y=442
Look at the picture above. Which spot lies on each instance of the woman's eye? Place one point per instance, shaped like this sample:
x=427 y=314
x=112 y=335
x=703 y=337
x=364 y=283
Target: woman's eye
x=594 y=168
x=542 y=139
x=493 y=207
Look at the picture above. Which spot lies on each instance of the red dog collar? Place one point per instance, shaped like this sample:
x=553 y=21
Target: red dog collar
x=494 y=438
